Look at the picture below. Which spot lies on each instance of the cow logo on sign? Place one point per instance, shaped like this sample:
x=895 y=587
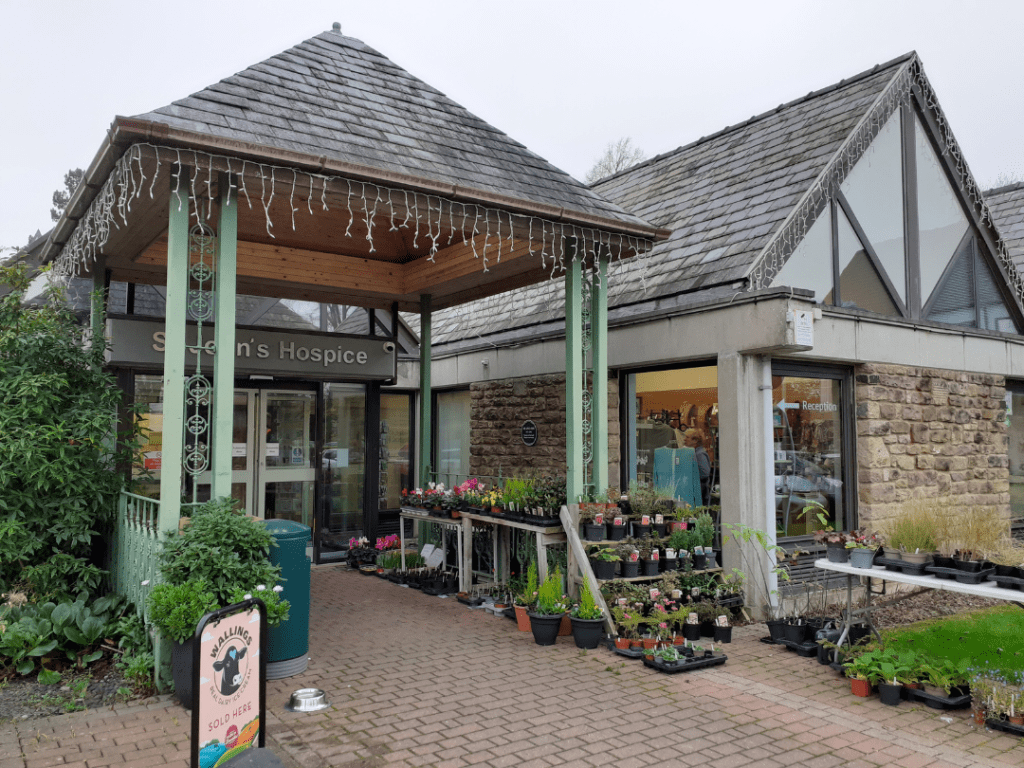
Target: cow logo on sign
x=230 y=669
x=231 y=662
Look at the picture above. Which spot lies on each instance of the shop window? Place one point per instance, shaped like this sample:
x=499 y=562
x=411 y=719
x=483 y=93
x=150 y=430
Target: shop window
x=451 y=442
x=874 y=190
x=149 y=399
x=343 y=465
x=1015 y=448
x=810 y=457
x=662 y=409
x=396 y=444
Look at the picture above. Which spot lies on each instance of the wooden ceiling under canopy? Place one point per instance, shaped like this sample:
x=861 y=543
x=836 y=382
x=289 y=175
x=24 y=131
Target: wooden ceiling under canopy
x=303 y=231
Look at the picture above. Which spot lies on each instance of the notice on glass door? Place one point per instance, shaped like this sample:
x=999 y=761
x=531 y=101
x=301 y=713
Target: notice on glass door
x=273 y=450
x=238 y=450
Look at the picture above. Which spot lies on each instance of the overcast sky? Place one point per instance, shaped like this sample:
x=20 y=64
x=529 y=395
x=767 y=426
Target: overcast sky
x=563 y=78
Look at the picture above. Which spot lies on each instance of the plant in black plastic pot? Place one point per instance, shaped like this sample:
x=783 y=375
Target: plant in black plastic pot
x=587 y=620
x=221 y=554
x=547 y=613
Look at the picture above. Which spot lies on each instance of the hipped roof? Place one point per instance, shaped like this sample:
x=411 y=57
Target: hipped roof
x=336 y=97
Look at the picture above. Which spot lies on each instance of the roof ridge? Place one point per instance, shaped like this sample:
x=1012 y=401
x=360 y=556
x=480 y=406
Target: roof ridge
x=1012 y=187
x=845 y=82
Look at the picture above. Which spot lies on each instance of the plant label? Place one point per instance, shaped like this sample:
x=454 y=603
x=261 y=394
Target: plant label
x=599 y=518
x=618 y=521
x=634 y=556
x=655 y=555
x=623 y=601
x=654 y=593
x=659 y=519
x=645 y=519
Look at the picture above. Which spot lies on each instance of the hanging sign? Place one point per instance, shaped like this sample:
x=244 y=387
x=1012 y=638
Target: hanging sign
x=529 y=433
x=229 y=683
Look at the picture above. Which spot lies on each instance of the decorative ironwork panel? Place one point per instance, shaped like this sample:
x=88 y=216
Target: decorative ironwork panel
x=483 y=550
x=201 y=301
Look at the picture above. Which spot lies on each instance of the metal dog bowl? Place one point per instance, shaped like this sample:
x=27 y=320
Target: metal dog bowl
x=307 y=700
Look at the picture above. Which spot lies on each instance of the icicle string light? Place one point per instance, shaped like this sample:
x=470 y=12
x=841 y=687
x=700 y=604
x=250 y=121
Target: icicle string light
x=142 y=164
x=912 y=77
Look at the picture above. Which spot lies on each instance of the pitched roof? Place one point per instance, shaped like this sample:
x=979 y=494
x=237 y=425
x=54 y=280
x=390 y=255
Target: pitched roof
x=724 y=196
x=335 y=96
x=1006 y=205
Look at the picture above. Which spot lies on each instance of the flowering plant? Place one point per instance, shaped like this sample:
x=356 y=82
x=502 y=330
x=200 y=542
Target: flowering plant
x=354 y=543
x=388 y=542
x=863 y=540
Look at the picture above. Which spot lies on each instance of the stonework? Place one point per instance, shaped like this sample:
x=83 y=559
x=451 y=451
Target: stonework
x=927 y=433
x=497 y=412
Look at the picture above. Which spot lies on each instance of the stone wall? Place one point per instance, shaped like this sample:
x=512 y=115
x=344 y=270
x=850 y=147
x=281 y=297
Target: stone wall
x=926 y=433
x=498 y=410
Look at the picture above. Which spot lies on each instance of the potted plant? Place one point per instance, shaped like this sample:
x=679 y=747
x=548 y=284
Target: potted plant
x=864 y=671
x=835 y=544
x=755 y=547
x=603 y=560
x=944 y=678
x=648 y=557
x=547 y=613
x=862 y=546
x=629 y=556
x=587 y=619
x=211 y=563
x=592 y=523
x=723 y=629
x=525 y=597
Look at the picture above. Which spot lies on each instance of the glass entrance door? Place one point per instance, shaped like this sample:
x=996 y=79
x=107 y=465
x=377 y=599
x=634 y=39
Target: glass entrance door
x=273 y=451
x=286 y=472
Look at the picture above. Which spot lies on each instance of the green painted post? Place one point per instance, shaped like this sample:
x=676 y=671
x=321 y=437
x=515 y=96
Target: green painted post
x=224 y=340
x=599 y=350
x=174 y=355
x=174 y=387
x=426 y=400
x=573 y=375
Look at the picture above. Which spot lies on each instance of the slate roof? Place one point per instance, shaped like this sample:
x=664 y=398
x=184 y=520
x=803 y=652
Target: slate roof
x=1007 y=207
x=723 y=196
x=333 y=95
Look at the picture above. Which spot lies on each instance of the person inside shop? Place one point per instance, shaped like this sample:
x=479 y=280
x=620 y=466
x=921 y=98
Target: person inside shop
x=694 y=438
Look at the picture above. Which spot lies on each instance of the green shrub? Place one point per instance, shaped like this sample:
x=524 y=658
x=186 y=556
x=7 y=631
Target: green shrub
x=57 y=469
x=177 y=608
x=550 y=600
x=222 y=547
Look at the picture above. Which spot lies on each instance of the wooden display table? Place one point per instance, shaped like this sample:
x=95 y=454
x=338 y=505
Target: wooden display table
x=545 y=536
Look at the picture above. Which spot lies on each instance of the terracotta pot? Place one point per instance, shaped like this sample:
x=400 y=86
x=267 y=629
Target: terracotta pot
x=1016 y=719
x=649 y=642
x=565 y=629
x=456 y=514
x=979 y=716
x=636 y=643
x=522 y=619
x=678 y=640
x=860 y=687
x=622 y=643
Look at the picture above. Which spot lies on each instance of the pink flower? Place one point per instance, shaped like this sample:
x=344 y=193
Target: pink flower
x=663 y=625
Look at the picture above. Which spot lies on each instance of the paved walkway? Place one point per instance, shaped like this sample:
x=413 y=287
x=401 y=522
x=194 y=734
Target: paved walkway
x=422 y=681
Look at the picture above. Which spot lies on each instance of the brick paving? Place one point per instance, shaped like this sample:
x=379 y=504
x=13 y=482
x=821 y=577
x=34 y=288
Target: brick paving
x=422 y=681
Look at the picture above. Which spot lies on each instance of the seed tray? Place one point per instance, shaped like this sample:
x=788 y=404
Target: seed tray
x=629 y=653
x=974 y=578
x=806 y=649
x=938 y=702
x=1003 y=725
x=685 y=665
x=943 y=573
x=473 y=602
x=1008 y=582
x=911 y=569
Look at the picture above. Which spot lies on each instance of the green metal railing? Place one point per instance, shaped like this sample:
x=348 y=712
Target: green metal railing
x=134 y=564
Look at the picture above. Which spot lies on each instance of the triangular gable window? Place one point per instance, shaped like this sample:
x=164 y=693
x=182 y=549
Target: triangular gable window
x=859 y=253
x=860 y=286
x=969 y=295
x=941 y=221
x=874 y=192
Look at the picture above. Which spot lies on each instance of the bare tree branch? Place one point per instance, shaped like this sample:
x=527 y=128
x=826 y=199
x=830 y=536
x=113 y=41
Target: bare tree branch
x=618 y=156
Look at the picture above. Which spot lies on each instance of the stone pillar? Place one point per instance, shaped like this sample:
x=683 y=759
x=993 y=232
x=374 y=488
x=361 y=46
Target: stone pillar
x=746 y=460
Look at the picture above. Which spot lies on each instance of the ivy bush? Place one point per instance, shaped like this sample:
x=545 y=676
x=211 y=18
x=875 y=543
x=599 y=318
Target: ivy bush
x=58 y=468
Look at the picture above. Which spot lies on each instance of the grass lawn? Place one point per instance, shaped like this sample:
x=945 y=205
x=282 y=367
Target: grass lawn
x=993 y=637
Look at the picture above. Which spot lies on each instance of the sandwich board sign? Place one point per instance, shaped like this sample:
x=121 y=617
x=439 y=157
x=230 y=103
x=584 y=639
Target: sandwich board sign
x=229 y=674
